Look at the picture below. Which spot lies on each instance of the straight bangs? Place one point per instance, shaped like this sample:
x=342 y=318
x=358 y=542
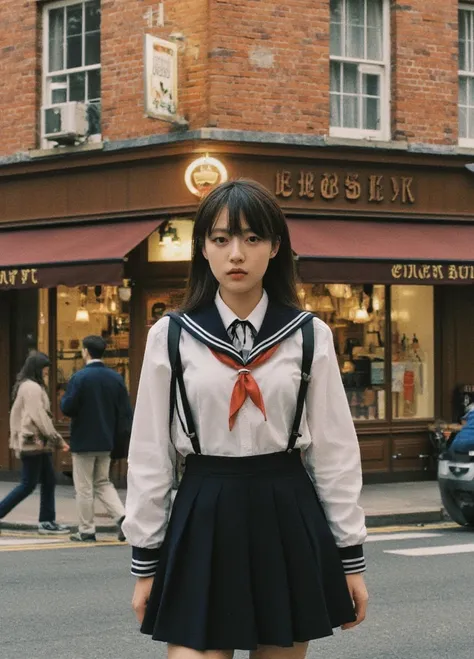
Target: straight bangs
x=242 y=206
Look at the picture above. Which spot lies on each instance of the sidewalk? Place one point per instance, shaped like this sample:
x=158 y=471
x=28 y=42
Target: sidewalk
x=384 y=504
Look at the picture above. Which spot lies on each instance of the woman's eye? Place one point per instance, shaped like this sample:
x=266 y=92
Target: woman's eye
x=254 y=239
x=219 y=240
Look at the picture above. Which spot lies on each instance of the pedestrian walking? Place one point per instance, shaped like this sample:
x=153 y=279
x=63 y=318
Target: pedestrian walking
x=97 y=401
x=263 y=548
x=33 y=437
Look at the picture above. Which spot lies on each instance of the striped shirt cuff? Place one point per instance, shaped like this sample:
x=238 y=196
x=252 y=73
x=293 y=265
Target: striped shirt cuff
x=352 y=558
x=144 y=561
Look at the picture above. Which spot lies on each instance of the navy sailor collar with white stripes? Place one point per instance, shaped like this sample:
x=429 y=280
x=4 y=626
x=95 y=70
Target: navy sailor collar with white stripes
x=205 y=325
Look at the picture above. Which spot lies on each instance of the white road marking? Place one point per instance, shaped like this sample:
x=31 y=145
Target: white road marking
x=433 y=551
x=400 y=536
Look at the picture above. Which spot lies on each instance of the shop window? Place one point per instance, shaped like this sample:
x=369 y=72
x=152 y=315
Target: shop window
x=359 y=69
x=412 y=317
x=172 y=241
x=43 y=320
x=72 y=70
x=356 y=315
x=466 y=75
x=91 y=310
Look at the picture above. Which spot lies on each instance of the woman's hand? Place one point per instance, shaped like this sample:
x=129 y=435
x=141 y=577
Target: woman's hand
x=141 y=595
x=360 y=597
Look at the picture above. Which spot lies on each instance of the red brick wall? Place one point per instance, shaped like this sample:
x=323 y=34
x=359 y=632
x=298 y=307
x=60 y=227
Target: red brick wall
x=269 y=65
x=424 y=71
x=246 y=64
x=123 y=30
x=18 y=75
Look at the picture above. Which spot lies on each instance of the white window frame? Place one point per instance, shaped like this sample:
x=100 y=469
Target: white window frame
x=466 y=141
x=374 y=67
x=48 y=87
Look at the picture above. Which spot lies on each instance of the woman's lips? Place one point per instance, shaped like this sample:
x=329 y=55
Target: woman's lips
x=237 y=275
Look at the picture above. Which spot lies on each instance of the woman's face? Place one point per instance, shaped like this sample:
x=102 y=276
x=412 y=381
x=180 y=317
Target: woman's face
x=45 y=374
x=237 y=262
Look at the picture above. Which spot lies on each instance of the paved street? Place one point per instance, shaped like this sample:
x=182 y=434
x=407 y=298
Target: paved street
x=72 y=602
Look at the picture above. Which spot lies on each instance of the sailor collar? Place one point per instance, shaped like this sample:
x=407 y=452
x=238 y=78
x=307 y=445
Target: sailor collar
x=205 y=325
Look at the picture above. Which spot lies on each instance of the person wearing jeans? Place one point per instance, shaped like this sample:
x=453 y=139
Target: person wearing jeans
x=97 y=401
x=33 y=438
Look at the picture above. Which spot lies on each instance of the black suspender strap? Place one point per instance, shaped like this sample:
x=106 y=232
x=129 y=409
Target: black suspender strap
x=306 y=363
x=174 y=334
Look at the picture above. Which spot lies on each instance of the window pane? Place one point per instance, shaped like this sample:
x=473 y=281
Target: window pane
x=336 y=27
x=470 y=90
x=107 y=316
x=374 y=14
x=350 y=79
x=470 y=129
x=74 y=52
x=93 y=117
x=43 y=317
x=92 y=16
x=374 y=44
x=93 y=48
x=74 y=20
x=371 y=113
x=356 y=316
x=371 y=84
x=462 y=122
x=335 y=77
x=58 y=88
x=462 y=91
x=355 y=28
x=93 y=85
x=335 y=119
x=56 y=39
x=336 y=39
x=412 y=317
x=77 y=86
x=350 y=111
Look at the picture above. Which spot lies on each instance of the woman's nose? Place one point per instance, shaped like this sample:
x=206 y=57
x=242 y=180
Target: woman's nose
x=236 y=252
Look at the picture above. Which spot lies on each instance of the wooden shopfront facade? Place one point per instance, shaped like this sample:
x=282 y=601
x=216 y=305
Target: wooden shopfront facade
x=100 y=243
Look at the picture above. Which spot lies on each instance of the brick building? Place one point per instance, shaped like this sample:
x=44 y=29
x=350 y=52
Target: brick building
x=358 y=114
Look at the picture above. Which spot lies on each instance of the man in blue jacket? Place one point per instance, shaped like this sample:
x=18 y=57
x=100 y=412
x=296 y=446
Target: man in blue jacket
x=97 y=401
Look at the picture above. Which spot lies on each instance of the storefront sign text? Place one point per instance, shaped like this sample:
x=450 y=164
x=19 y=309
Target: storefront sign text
x=375 y=188
x=15 y=278
x=437 y=272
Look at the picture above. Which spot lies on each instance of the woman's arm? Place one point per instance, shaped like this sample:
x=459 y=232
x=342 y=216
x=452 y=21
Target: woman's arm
x=34 y=398
x=333 y=458
x=151 y=457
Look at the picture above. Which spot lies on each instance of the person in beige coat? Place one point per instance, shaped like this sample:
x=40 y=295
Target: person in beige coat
x=33 y=437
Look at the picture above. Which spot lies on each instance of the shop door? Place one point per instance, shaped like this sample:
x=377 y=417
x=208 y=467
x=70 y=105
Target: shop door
x=455 y=305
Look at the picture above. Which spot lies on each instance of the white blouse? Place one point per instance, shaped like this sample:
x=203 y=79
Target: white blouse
x=329 y=444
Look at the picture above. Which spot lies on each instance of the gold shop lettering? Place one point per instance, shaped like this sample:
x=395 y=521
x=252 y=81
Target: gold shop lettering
x=375 y=188
x=18 y=278
x=437 y=272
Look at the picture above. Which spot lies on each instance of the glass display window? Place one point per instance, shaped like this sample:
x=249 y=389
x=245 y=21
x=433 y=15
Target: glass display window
x=86 y=310
x=412 y=331
x=356 y=315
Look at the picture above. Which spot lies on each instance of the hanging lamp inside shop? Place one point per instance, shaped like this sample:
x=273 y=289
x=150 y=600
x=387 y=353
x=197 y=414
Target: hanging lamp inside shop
x=82 y=315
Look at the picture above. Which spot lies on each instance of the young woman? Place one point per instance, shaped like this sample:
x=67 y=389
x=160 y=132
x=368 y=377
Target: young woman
x=263 y=549
x=33 y=438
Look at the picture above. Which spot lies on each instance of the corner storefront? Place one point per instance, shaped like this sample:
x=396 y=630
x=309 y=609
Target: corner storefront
x=101 y=244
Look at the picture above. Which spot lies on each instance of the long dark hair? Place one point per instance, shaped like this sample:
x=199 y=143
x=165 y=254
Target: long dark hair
x=248 y=199
x=32 y=370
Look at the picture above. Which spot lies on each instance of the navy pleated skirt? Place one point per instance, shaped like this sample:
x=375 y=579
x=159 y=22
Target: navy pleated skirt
x=248 y=558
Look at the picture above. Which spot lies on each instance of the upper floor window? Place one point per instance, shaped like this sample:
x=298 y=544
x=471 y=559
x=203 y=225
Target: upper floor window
x=71 y=61
x=466 y=75
x=359 y=54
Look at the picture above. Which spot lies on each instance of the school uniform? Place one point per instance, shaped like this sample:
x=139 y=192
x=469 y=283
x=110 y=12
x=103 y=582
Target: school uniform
x=266 y=520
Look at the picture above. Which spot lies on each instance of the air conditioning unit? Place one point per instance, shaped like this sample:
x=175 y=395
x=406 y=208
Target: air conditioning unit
x=65 y=123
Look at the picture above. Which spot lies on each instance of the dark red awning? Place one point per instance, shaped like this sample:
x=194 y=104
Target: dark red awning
x=69 y=255
x=383 y=252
